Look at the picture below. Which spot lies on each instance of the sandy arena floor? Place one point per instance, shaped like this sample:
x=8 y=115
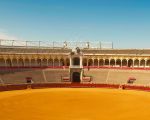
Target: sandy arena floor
x=75 y=104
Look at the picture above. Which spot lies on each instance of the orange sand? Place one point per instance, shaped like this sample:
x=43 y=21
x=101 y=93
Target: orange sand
x=75 y=104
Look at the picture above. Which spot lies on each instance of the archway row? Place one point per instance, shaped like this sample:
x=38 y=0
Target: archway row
x=34 y=62
x=116 y=62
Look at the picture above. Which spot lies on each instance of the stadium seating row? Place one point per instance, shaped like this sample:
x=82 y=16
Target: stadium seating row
x=99 y=76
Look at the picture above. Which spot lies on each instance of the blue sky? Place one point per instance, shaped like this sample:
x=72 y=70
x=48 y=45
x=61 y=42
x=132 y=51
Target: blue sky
x=124 y=22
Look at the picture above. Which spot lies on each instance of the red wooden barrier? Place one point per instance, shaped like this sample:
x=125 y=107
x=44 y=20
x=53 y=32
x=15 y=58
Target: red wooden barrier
x=69 y=85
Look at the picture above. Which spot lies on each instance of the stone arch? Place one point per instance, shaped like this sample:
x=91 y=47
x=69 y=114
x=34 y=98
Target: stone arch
x=118 y=62
x=14 y=62
x=76 y=61
x=20 y=62
x=90 y=62
x=148 y=63
x=84 y=62
x=39 y=62
x=33 y=62
x=56 y=62
x=112 y=62
x=8 y=63
x=124 y=62
x=62 y=62
x=101 y=62
x=44 y=62
x=142 y=63
x=27 y=62
x=95 y=62
x=130 y=63
x=50 y=62
x=136 y=63
x=67 y=62
x=2 y=62
x=106 y=62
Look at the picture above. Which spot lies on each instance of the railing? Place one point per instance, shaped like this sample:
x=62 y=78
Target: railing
x=114 y=67
x=33 y=67
x=54 y=44
x=85 y=67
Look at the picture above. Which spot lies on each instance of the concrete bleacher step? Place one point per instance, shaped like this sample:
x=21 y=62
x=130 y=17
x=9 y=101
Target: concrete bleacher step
x=98 y=75
x=55 y=75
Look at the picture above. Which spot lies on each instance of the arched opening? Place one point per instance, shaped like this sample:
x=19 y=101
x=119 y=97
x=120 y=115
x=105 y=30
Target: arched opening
x=84 y=62
x=27 y=62
x=76 y=61
x=142 y=63
x=56 y=62
x=33 y=63
x=62 y=63
x=14 y=62
x=90 y=62
x=118 y=63
x=107 y=62
x=112 y=62
x=67 y=62
x=2 y=62
x=8 y=63
x=95 y=62
x=44 y=62
x=124 y=63
x=39 y=62
x=76 y=77
x=50 y=62
x=130 y=63
x=148 y=63
x=20 y=62
x=136 y=63
x=101 y=62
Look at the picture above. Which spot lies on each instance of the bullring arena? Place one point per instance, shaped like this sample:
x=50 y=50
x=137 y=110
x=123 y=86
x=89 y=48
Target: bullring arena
x=85 y=82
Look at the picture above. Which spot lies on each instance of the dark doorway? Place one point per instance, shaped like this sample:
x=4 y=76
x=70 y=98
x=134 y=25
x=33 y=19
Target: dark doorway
x=130 y=63
x=76 y=61
x=76 y=77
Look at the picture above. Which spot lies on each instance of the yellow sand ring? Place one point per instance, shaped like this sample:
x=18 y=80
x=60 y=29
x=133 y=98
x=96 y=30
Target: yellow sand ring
x=75 y=104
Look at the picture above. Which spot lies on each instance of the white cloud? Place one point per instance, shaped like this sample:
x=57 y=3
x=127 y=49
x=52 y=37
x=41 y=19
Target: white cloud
x=5 y=35
x=6 y=39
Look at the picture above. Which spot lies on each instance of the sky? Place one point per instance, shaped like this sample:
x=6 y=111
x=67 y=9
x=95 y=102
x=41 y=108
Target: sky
x=126 y=23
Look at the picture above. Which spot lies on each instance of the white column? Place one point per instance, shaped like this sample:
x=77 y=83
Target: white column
x=121 y=63
x=115 y=62
x=103 y=62
x=133 y=63
x=29 y=62
x=93 y=62
x=41 y=60
x=145 y=63
x=36 y=63
x=53 y=62
x=11 y=63
x=47 y=62
x=5 y=63
x=65 y=63
x=87 y=63
x=17 y=63
x=70 y=61
x=23 y=62
x=81 y=76
x=81 y=62
x=59 y=62
x=127 y=62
